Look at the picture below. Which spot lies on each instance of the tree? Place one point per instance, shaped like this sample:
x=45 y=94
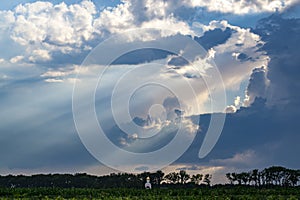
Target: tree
x=277 y=174
x=172 y=177
x=254 y=177
x=229 y=177
x=245 y=176
x=239 y=178
x=207 y=179
x=291 y=177
x=234 y=177
x=158 y=177
x=197 y=178
x=274 y=175
x=184 y=177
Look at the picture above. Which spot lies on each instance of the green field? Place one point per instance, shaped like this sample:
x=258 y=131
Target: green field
x=223 y=192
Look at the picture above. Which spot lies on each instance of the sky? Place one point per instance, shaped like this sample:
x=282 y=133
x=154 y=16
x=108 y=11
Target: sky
x=134 y=85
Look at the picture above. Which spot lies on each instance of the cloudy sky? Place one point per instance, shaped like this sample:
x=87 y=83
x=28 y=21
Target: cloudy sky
x=220 y=76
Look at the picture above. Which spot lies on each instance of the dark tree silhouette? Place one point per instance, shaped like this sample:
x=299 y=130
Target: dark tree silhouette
x=184 y=177
x=197 y=178
x=274 y=175
x=172 y=177
x=207 y=179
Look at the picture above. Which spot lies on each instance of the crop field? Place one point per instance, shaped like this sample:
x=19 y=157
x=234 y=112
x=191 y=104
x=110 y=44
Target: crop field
x=223 y=192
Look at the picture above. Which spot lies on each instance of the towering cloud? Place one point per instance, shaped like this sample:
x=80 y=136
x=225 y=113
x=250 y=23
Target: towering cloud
x=258 y=85
x=282 y=39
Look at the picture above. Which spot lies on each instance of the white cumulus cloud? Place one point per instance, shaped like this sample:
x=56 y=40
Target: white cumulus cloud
x=242 y=6
x=16 y=59
x=43 y=28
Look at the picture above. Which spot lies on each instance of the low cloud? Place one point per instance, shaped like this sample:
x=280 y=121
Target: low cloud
x=16 y=59
x=246 y=159
x=230 y=109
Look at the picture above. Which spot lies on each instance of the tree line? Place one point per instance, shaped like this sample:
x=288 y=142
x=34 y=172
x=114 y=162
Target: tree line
x=275 y=175
x=272 y=176
x=113 y=180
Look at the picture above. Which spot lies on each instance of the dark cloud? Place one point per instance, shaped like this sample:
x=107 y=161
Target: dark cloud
x=243 y=57
x=171 y=104
x=141 y=56
x=191 y=75
x=282 y=39
x=293 y=11
x=179 y=113
x=208 y=40
x=258 y=84
x=262 y=135
x=256 y=129
x=178 y=61
x=142 y=169
x=142 y=122
x=214 y=37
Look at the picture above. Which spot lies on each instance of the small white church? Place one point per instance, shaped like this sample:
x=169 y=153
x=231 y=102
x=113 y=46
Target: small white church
x=148 y=184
